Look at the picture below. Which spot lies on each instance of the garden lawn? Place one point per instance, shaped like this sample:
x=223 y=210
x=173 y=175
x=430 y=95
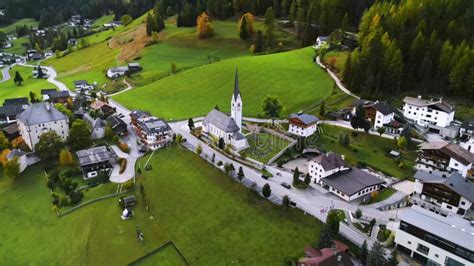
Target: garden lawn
x=9 y=89
x=368 y=149
x=211 y=218
x=264 y=146
x=292 y=76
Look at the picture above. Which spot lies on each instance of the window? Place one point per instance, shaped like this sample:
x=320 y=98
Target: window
x=423 y=249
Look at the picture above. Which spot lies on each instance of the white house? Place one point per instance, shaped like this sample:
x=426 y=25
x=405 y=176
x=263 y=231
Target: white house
x=453 y=194
x=321 y=42
x=466 y=138
x=349 y=183
x=428 y=113
x=153 y=132
x=97 y=126
x=379 y=114
x=40 y=118
x=229 y=128
x=302 y=124
x=434 y=239
x=22 y=162
x=444 y=158
x=115 y=72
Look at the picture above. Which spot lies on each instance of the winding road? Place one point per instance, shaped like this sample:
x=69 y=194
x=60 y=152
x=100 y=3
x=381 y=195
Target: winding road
x=6 y=73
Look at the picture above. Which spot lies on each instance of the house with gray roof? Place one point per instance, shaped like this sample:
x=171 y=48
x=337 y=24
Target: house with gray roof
x=97 y=126
x=152 y=132
x=333 y=173
x=95 y=160
x=444 y=158
x=435 y=239
x=8 y=113
x=302 y=124
x=229 y=128
x=40 y=118
x=453 y=194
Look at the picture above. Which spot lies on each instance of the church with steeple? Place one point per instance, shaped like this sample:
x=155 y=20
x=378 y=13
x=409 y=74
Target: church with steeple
x=220 y=125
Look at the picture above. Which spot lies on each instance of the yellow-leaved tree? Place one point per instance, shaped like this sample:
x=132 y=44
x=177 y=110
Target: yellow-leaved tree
x=65 y=157
x=248 y=21
x=204 y=26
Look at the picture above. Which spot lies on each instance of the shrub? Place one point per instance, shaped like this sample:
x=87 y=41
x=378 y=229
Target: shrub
x=123 y=165
x=75 y=197
x=358 y=213
x=128 y=185
x=124 y=147
x=219 y=163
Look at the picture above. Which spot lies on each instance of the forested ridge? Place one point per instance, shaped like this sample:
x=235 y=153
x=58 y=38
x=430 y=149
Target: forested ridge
x=422 y=45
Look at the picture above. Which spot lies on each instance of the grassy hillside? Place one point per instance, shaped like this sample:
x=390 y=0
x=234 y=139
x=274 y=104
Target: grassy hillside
x=187 y=206
x=12 y=27
x=292 y=76
x=90 y=64
x=10 y=90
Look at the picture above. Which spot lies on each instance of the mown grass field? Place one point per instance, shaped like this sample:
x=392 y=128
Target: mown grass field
x=210 y=217
x=9 y=89
x=368 y=149
x=292 y=76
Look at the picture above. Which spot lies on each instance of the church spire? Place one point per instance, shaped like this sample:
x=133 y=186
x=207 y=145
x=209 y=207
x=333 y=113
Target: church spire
x=236 y=84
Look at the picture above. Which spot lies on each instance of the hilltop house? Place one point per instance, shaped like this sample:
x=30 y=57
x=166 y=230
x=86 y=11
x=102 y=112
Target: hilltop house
x=321 y=41
x=434 y=115
x=40 y=118
x=435 y=239
x=444 y=158
x=81 y=85
x=95 y=160
x=116 y=72
x=452 y=194
x=302 y=124
x=229 y=128
x=151 y=131
x=333 y=173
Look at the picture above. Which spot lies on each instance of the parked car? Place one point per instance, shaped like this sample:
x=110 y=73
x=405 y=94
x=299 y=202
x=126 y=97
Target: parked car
x=92 y=174
x=285 y=185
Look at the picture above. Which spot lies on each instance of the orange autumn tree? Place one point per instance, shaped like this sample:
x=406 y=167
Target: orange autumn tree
x=204 y=26
x=249 y=21
x=3 y=157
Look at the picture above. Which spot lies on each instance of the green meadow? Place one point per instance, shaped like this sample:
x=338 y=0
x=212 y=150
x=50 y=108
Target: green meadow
x=9 y=89
x=211 y=218
x=292 y=76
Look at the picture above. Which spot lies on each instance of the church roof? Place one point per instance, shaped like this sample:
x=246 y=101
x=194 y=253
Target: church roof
x=221 y=121
x=236 y=85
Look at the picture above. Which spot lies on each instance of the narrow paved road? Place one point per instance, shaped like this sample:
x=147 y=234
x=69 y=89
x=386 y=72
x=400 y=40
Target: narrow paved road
x=336 y=79
x=6 y=73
